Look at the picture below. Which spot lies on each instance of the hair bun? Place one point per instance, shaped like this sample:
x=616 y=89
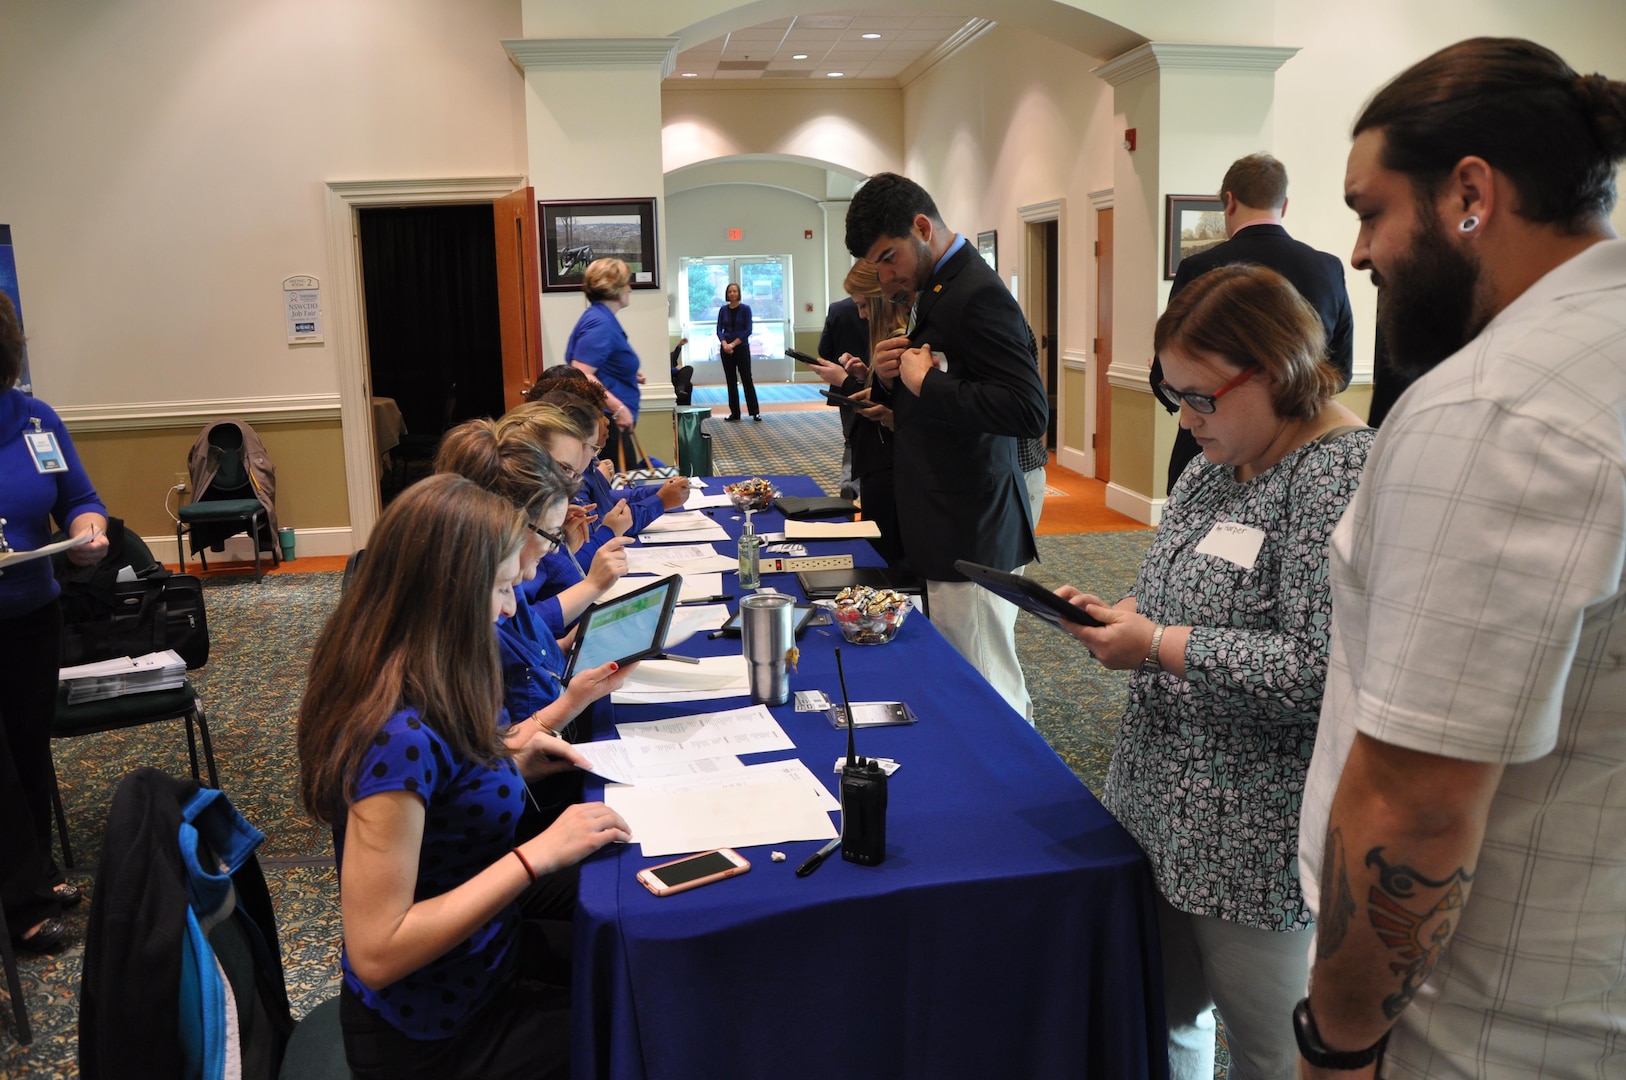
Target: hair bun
x=1604 y=102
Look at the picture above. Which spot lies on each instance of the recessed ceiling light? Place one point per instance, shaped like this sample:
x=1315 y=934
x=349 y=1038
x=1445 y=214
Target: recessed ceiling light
x=869 y=37
x=691 y=75
x=800 y=56
x=834 y=74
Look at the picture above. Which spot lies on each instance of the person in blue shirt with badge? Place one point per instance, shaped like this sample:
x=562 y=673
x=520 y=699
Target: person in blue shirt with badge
x=598 y=347
x=445 y=970
x=40 y=479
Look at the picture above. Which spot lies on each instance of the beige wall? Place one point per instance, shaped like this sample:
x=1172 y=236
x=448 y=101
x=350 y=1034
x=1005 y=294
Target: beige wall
x=133 y=471
x=861 y=130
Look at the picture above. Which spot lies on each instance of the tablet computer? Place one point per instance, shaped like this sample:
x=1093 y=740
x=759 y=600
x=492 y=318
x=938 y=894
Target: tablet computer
x=804 y=614
x=630 y=627
x=1030 y=596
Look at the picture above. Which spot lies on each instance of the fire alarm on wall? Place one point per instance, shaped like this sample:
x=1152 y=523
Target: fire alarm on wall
x=807 y=234
x=1129 y=139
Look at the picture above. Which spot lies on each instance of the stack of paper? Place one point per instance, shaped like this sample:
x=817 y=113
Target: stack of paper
x=682 y=528
x=681 y=787
x=655 y=681
x=124 y=675
x=678 y=559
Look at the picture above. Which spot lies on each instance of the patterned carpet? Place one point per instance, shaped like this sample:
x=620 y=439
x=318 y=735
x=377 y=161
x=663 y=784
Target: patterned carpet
x=262 y=636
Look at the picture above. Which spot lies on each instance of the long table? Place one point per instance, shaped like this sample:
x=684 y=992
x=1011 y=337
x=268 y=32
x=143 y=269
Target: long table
x=1009 y=933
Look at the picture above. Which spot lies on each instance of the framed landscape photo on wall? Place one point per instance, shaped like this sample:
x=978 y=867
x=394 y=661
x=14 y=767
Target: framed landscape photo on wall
x=574 y=234
x=1193 y=223
x=988 y=248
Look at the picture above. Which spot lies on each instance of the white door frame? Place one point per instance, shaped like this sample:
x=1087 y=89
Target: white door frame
x=1032 y=272
x=348 y=326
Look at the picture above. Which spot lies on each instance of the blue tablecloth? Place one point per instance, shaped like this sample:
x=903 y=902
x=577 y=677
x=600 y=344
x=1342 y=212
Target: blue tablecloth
x=1010 y=932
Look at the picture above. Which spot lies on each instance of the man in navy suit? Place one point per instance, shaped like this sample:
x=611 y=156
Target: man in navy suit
x=1255 y=195
x=964 y=390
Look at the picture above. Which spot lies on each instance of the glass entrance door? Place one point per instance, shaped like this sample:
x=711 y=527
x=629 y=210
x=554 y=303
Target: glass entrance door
x=765 y=284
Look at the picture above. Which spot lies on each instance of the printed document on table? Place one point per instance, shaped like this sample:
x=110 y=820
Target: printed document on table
x=698 y=501
x=751 y=730
x=831 y=530
x=677 y=559
x=774 y=808
x=658 y=681
x=689 y=621
x=609 y=759
x=696 y=586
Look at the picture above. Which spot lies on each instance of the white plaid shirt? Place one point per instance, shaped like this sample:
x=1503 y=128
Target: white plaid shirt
x=1479 y=613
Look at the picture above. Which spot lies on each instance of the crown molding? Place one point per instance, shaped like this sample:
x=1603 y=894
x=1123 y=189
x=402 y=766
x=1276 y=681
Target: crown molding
x=157 y=415
x=965 y=35
x=537 y=54
x=767 y=86
x=1101 y=200
x=1166 y=56
x=1129 y=377
x=1051 y=210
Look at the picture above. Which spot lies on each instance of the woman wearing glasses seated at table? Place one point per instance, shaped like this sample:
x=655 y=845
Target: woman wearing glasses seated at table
x=399 y=752
x=1226 y=634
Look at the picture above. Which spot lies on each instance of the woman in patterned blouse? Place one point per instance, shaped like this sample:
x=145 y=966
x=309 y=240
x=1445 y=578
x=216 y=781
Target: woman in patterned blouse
x=1226 y=633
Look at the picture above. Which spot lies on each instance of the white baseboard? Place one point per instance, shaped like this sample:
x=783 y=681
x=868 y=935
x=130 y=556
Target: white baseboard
x=1079 y=461
x=1147 y=511
x=333 y=541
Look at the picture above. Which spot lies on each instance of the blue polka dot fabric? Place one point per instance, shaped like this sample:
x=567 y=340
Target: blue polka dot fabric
x=468 y=825
x=531 y=664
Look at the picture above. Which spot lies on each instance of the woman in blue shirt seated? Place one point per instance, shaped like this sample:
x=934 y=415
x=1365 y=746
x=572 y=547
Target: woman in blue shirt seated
x=598 y=347
x=734 y=343
x=400 y=752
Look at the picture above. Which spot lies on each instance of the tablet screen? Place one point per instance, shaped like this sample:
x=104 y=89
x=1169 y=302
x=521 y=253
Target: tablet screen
x=627 y=628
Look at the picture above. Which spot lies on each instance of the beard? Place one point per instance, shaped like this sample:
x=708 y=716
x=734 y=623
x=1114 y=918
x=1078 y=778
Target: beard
x=1428 y=304
x=905 y=292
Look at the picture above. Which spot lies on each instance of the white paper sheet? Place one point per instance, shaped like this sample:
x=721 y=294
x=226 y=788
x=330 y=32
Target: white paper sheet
x=678 y=559
x=708 y=533
x=609 y=759
x=696 y=586
x=760 y=804
x=657 y=681
x=699 y=501
x=831 y=530
x=696 y=619
x=751 y=730
x=12 y=557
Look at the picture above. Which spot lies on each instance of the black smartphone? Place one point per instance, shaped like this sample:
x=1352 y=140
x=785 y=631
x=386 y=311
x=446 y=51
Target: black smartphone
x=797 y=354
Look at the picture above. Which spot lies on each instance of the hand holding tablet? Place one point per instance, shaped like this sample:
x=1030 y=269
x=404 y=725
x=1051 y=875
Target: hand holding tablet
x=1028 y=595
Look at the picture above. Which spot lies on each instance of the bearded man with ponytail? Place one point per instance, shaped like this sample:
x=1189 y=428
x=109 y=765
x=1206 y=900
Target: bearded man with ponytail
x=1463 y=839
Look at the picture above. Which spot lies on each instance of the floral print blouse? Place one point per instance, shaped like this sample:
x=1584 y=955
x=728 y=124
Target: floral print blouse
x=1209 y=770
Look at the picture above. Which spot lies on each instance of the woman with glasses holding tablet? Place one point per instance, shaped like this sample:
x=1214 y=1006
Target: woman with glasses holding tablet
x=1226 y=636
x=399 y=751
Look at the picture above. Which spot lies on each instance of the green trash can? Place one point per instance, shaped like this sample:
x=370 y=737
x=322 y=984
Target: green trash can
x=693 y=443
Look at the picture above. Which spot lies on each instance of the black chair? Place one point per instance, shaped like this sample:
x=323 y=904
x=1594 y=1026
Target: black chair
x=14 y=985
x=419 y=448
x=230 y=505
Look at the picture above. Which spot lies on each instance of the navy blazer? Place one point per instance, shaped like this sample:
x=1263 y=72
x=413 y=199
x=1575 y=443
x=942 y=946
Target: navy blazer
x=1319 y=278
x=960 y=494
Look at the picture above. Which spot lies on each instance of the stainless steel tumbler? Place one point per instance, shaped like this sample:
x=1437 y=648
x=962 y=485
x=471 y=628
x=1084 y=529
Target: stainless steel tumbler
x=766 y=636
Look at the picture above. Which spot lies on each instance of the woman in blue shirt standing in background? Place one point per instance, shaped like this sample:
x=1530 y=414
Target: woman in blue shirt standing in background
x=734 y=332
x=598 y=346
x=40 y=478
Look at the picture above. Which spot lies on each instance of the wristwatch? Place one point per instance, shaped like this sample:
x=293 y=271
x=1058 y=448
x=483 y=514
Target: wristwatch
x=1316 y=1053
x=1152 y=665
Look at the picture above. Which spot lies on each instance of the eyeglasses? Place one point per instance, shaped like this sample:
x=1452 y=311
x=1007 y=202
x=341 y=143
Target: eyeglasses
x=570 y=471
x=1203 y=403
x=556 y=542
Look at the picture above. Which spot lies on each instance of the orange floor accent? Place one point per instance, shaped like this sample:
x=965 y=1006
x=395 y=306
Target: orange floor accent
x=1082 y=509
x=309 y=564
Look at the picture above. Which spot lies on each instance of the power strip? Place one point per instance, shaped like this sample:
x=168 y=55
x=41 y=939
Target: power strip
x=812 y=562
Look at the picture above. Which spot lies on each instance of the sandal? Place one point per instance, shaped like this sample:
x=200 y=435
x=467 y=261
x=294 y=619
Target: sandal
x=46 y=938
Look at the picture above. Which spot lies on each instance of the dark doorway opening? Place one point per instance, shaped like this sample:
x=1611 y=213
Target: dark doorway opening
x=434 y=336
x=1052 y=323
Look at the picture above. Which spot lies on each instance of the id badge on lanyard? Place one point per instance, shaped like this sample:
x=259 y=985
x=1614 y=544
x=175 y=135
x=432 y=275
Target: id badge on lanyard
x=43 y=448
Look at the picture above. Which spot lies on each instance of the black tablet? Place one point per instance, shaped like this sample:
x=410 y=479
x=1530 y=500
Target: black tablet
x=630 y=627
x=1030 y=596
x=804 y=614
x=797 y=354
x=843 y=399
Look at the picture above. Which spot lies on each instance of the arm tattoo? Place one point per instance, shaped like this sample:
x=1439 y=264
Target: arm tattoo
x=1337 y=901
x=1418 y=936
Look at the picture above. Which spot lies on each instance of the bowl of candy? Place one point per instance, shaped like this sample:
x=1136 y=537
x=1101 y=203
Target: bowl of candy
x=751 y=495
x=869 y=616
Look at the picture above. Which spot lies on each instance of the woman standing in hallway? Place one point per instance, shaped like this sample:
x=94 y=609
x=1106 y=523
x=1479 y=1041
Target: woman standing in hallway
x=598 y=346
x=734 y=334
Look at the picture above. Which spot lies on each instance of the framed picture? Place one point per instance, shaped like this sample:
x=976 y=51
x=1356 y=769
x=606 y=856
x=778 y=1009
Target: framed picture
x=988 y=248
x=1193 y=223
x=574 y=234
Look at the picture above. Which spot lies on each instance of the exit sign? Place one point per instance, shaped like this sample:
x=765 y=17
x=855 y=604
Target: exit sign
x=736 y=234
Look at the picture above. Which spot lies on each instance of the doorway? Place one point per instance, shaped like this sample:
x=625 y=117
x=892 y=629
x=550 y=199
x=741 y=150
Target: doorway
x=765 y=285
x=1041 y=300
x=1102 y=438
x=434 y=337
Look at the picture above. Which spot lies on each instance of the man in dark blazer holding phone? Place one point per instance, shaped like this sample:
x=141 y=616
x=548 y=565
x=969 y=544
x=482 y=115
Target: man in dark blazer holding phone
x=1254 y=192
x=964 y=390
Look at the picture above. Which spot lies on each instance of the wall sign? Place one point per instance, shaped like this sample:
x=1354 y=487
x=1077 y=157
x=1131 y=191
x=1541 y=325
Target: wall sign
x=303 y=298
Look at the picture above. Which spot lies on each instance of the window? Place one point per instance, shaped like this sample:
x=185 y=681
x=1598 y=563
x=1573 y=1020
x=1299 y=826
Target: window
x=765 y=285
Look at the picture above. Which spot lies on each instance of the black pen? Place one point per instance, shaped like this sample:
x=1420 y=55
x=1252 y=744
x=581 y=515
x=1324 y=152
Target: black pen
x=704 y=600
x=816 y=860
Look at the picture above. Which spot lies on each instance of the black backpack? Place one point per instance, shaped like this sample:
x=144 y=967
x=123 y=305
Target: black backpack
x=103 y=617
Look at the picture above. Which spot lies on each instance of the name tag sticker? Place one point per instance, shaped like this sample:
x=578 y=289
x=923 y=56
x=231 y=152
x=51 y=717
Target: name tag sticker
x=1233 y=542
x=46 y=453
